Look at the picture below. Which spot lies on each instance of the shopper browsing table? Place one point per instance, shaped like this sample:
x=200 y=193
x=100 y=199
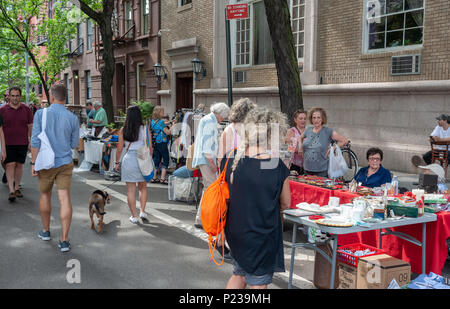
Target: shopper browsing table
x=254 y=228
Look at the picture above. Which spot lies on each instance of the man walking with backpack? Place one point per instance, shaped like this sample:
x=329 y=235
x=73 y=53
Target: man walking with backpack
x=62 y=130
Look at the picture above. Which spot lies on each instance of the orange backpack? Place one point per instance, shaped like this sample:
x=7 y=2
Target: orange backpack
x=213 y=213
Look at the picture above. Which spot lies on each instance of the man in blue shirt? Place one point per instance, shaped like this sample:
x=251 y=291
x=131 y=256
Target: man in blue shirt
x=62 y=130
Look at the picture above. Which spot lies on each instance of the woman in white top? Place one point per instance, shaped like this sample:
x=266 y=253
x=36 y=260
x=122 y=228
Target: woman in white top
x=132 y=137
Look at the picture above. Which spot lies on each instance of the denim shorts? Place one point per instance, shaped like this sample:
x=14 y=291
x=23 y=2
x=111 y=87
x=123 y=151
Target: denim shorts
x=252 y=279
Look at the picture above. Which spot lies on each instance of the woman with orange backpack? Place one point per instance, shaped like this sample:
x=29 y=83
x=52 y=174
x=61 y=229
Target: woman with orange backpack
x=259 y=192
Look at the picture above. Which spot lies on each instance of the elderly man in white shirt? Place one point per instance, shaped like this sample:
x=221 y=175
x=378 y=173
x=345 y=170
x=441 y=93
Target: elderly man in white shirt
x=206 y=146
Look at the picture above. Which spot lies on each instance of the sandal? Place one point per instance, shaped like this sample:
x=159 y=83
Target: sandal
x=156 y=180
x=163 y=181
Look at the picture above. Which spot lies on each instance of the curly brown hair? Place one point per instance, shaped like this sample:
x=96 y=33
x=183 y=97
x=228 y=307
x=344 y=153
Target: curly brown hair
x=322 y=113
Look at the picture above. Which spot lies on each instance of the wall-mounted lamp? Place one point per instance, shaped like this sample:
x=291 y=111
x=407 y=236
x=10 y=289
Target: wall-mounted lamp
x=160 y=71
x=198 y=68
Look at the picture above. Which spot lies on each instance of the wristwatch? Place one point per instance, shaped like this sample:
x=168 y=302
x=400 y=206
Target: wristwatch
x=32 y=163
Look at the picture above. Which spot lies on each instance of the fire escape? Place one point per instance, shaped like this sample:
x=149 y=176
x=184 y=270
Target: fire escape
x=118 y=40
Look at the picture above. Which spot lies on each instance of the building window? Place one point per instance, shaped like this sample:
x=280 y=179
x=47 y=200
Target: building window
x=184 y=2
x=128 y=20
x=141 y=77
x=298 y=25
x=145 y=16
x=87 y=75
x=79 y=40
x=252 y=41
x=66 y=84
x=393 y=24
x=89 y=34
x=242 y=41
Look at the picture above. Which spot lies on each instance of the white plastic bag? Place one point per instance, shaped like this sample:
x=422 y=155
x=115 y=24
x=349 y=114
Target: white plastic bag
x=337 y=167
x=46 y=157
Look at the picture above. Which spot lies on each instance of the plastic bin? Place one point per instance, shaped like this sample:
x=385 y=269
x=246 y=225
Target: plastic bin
x=351 y=259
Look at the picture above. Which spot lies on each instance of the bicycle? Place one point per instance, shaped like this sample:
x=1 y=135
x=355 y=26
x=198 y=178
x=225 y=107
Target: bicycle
x=352 y=162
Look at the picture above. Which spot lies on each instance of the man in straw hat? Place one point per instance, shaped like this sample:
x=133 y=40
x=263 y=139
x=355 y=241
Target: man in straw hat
x=438 y=170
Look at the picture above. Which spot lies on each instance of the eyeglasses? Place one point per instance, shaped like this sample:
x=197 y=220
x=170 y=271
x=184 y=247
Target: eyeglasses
x=374 y=159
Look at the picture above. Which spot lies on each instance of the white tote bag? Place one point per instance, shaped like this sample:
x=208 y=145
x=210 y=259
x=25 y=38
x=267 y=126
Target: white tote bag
x=145 y=160
x=46 y=157
x=337 y=167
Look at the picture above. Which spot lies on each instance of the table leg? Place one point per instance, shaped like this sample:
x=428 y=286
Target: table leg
x=424 y=244
x=380 y=239
x=333 y=261
x=291 y=268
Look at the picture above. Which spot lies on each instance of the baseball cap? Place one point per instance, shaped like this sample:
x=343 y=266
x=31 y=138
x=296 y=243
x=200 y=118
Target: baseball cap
x=442 y=117
x=435 y=169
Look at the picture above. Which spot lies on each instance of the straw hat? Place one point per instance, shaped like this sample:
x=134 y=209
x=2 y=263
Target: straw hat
x=435 y=169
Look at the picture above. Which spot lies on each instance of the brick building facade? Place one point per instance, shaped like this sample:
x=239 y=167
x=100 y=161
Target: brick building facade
x=135 y=26
x=348 y=57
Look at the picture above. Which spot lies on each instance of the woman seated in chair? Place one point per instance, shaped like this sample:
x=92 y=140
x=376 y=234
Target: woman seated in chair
x=375 y=174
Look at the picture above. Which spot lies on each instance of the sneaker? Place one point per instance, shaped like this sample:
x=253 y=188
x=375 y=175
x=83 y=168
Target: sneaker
x=44 y=235
x=12 y=197
x=143 y=216
x=134 y=220
x=64 y=246
x=4 y=180
x=18 y=193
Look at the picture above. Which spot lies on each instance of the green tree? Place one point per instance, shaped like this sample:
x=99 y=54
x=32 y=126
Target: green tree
x=17 y=23
x=289 y=84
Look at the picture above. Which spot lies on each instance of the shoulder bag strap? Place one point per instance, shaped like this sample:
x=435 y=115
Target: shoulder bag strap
x=44 y=120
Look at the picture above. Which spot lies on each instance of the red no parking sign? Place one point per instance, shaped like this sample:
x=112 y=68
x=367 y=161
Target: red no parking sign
x=237 y=11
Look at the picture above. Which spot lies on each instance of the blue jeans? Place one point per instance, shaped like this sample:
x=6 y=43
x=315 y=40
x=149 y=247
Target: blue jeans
x=161 y=152
x=183 y=172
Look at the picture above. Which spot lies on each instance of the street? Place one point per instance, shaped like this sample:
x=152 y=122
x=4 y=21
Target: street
x=166 y=252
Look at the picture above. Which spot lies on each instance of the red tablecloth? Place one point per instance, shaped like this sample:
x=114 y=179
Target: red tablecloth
x=437 y=232
x=301 y=192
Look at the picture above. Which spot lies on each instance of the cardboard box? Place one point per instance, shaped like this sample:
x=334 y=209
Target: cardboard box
x=347 y=276
x=377 y=272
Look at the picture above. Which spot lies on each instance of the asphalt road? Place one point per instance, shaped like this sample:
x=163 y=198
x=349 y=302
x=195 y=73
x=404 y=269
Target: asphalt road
x=165 y=252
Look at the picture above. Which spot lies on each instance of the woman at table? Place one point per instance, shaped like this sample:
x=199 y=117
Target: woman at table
x=375 y=174
x=316 y=143
x=253 y=230
x=131 y=137
x=293 y=140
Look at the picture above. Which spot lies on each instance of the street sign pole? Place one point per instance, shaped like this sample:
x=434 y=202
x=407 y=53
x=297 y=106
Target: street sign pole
x=232 y=11
x=229 y=71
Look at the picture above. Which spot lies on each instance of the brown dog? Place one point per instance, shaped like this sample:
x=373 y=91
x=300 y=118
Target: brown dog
x=97 y=203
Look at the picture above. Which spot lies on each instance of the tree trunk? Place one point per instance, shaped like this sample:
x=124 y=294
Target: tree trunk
x=108 y=69
x=103 y=19
x=289 y=84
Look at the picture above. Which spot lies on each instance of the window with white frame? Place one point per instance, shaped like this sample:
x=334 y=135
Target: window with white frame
x=252 y=41
x=88 y=84
x=298 y=25
x=128 y=19
x=89 y=34
x=393 y=24
x=145 y=16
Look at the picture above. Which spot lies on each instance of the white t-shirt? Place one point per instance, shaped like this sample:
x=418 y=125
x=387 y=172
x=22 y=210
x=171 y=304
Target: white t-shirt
x=140 y=142
x=441 y=133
